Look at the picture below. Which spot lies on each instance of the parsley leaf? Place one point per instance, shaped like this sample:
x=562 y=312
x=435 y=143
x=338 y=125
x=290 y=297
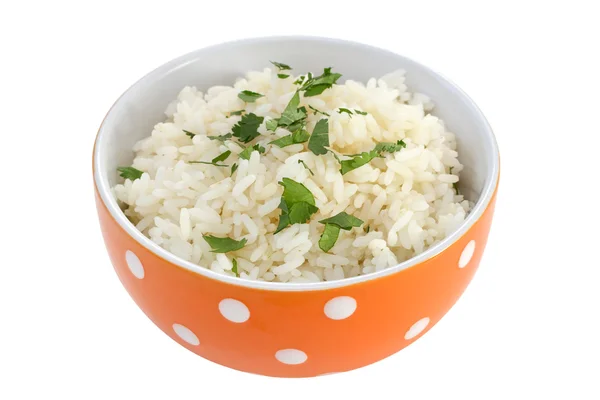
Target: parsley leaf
x=221 y=138
x=238 y=112
x=271 y=125
x=329 y=237
x=319 y=140
x=297 y=204
x=306 y=166
x=247 y=129
x=249 y=96
x=360 y=112
x=357 y=161
x=368 y=229
x=317 y=85
x=224 y=245
x=292 y=113
x=234 y=269
x=299 y=136
x=299 y=80
x=345 y=110
x=248 y=151
x=318 y=111
x=221 y=157
x=234 y=168
x=130 y=173
x=343 y=221
x=282 y=76
x=188 y=133
x=281 y=66
x=208 y=163
x=295 y=192
x=388 y=147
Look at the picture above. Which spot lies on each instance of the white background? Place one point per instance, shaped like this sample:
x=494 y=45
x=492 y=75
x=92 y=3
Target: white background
x=526 y=328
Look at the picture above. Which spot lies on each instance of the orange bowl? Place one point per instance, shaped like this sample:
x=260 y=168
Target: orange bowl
x=283 y=329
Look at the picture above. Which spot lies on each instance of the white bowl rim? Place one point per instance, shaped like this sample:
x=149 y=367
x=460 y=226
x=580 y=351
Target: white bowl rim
x=104 y=190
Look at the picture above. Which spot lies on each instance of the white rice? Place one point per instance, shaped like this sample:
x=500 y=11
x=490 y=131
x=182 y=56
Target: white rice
x=406 y=199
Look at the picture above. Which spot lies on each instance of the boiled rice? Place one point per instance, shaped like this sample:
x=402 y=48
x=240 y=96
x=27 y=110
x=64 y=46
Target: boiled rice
x=406 y=199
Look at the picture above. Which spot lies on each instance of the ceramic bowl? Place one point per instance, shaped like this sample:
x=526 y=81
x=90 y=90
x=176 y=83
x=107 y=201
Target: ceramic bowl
x=283 y=329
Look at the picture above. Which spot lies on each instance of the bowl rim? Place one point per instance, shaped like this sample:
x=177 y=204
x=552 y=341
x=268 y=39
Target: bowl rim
x=104 y=190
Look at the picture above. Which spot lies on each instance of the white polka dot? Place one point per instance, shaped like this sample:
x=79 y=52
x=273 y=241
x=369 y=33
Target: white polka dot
x=134 y=264
x=467 y=254
x=417 y=328
x=340 y=307
x=234 y=310
x=291 y=356
x=186 y=335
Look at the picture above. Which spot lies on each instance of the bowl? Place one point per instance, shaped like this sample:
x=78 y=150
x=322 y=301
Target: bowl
x=285 y=329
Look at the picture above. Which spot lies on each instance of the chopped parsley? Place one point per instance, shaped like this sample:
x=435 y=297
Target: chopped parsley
x=318 y=111
x=299 y=136
x=319 y=140
x=247 y=129
x=360 y=112
x=317 y=85
x=358 y=160
x=271 y=125
x=281 y=66
x=454 y=184
x=238 y=112
x=329 y=237
x=221 y=138
x=368 y=229
x=345 y=110
x=130 y=173
x=306 y=166
x=292 y=114
x=248 y=151
x=387 y=147
x=332 y=229
x=215 y=161
x=297 y=204
x=224 y=245
x=188 y=133
x=234 y=269
x=282 y=76
x=234 y=168
x=249 y=96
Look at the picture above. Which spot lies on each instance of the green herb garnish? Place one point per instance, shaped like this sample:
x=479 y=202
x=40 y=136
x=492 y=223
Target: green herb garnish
x=387 y=147
x=248 y=151
x=299 y=136
x=247 y=129
x=188 y=133
x=282 y=76
x=318 y=111
x=317 y=85
x=306 y=166
x=329 y=237
x=224 y=245
x=358 y=160
x=234 y=168
x=368 y=229
x=345 y=110
x=130 y=173
x=281 y=66
x=271 y=125
x=292 y=114
x=332 y=229
x=454 y=184
x=238 y=112
x=221 y=138
x=360 y=112
x=249 y=96
x=297 y=204
x=215 y=161
x=234 y=269
x=319 y=140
